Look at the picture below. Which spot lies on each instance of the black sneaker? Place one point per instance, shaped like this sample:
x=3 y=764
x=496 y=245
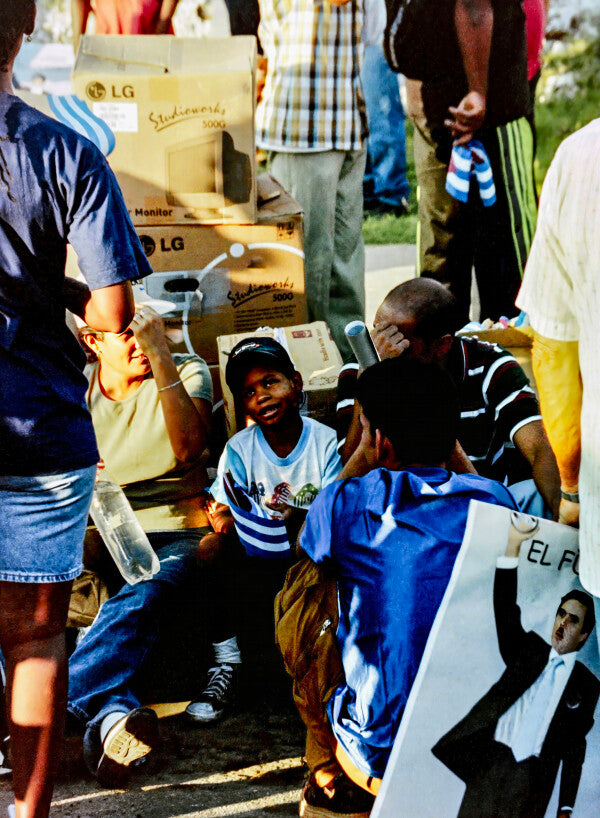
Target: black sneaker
x=217 y=697
x=341 y=799
x=127 y=743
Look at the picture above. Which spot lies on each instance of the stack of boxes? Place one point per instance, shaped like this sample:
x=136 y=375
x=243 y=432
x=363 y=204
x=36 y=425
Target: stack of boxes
x=175 y=118
x=226 y=249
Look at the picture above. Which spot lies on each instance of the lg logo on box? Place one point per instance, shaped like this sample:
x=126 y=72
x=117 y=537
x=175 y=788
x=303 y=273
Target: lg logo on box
x=97 y=91
x=164 y=246
x=126 y=92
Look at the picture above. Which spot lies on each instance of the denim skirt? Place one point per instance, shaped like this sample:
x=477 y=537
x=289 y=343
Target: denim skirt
x=42 y=524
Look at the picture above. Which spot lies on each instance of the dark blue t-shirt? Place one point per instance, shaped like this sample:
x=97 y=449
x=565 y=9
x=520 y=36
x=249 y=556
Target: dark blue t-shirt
x=391 y=539
x=55 y=188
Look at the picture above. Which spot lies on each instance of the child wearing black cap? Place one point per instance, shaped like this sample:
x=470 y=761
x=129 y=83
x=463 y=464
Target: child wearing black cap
x=283 y=459
x=280 y=462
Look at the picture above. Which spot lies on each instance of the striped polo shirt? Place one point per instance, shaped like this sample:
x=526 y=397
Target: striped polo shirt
x=496 y=401
x=312 y=99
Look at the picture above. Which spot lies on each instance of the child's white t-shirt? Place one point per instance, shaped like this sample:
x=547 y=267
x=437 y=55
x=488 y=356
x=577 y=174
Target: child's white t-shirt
x=295 y=479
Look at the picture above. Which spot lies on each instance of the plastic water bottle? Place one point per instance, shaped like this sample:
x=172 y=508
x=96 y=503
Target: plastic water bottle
x=124 y=537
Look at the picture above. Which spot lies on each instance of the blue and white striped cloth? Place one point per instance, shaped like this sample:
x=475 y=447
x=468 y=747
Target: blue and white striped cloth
x=260 y=534
x=74 y=112
x=468 y=162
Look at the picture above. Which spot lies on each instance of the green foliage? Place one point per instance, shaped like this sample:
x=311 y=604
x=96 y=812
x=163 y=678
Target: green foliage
x=557 y=114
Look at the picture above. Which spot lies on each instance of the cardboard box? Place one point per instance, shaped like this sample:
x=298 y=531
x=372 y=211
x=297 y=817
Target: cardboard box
x=230 y=278
x=516 y=340
x=182 y=111
x=240 y=277
x=315 y=356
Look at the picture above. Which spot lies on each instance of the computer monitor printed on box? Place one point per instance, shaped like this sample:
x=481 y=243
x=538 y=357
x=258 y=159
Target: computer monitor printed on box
x=207 y=174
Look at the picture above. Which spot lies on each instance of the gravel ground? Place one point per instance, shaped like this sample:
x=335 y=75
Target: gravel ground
x=249 y=765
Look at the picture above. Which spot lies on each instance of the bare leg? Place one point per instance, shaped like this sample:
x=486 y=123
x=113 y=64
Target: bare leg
x=32 y=626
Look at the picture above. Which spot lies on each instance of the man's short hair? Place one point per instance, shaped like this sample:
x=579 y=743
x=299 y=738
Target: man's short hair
x=589 y=620
x=415 y=405
x=433 y=307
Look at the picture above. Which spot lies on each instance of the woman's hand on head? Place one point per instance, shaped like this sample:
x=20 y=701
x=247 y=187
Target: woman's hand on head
x=149 y=331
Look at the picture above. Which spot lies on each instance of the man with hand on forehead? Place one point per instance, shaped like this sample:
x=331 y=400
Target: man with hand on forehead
x=500 y=427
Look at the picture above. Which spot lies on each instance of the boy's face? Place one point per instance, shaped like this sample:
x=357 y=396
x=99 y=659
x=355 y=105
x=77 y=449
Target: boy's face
x=270 y=396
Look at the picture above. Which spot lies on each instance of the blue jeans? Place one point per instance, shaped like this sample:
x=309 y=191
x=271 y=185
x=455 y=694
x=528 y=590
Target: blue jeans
x=104 y=664
x=385 y=177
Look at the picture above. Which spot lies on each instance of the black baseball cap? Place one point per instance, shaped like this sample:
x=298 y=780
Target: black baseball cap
x=253 y=351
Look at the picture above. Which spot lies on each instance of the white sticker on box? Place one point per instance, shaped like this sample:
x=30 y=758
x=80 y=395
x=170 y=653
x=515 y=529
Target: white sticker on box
x=121 y=117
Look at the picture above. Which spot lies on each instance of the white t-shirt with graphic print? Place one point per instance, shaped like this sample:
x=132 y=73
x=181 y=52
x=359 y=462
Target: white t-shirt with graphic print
x=295 y=479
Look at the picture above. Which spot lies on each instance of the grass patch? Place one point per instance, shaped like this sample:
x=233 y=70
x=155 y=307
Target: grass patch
x=390 y=229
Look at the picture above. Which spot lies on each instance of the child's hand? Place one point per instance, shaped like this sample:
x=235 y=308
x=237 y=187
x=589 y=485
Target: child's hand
x=568 y=513
x=219 y=516
x=209 y=547
x=282 y=508
x=293 y=518
x=467 y=117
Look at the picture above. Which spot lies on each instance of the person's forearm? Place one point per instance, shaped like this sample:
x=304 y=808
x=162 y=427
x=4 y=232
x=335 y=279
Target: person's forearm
x=353 y=435
x=187 y=429
x=109 y=309
x=356 y=466
x=165 y=16
x=547 y=479
x=531 y=440
x=556 y=370
x=474 y=21
x=80 y=11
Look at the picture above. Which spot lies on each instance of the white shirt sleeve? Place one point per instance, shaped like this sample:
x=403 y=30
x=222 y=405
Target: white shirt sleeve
x=546 y=294
x=507 y=562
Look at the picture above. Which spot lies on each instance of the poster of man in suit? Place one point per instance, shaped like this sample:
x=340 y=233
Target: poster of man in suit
x=500 y=720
